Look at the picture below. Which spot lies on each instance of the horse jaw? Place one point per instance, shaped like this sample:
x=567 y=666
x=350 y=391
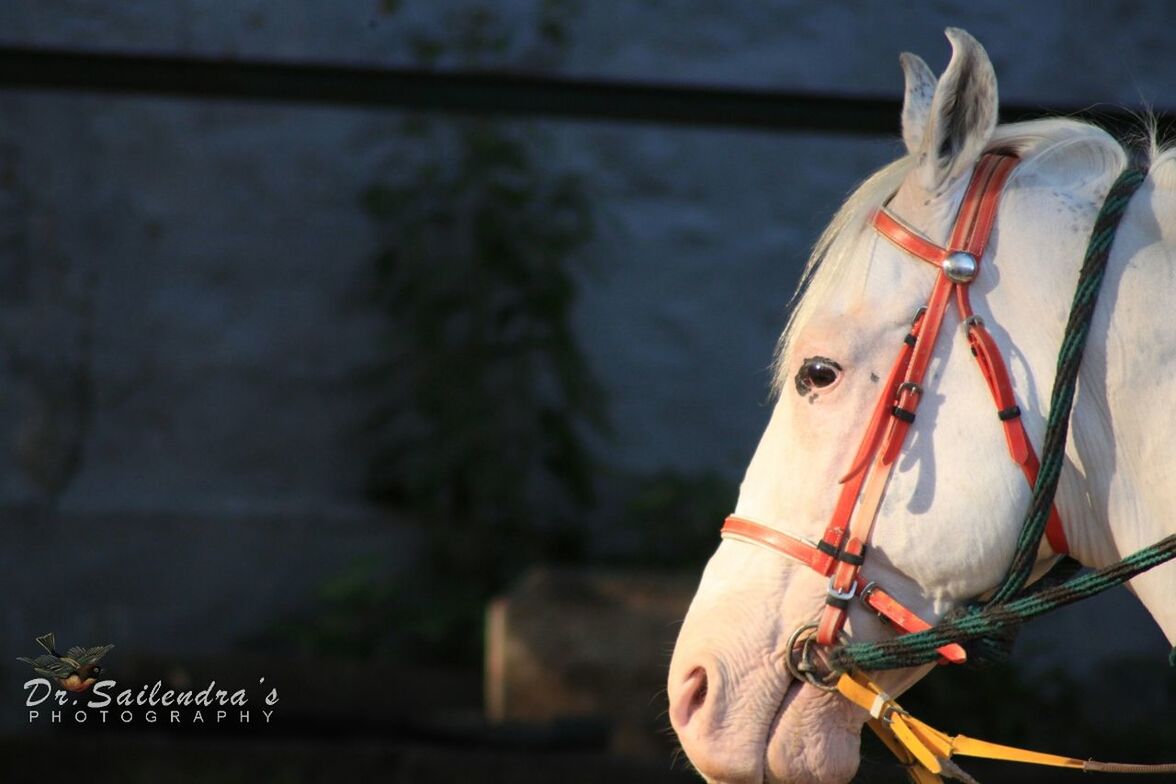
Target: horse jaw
x=814 y=740
x=817 y=737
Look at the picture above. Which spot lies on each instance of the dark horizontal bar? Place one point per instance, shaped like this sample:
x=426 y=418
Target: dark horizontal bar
x=463 y=92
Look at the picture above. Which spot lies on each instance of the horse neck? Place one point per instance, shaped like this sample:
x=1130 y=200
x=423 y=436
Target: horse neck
x=1116 y=495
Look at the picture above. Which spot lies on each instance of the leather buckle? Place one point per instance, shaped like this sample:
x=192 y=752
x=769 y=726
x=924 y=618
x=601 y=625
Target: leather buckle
x=842 y=596
x=915 y=389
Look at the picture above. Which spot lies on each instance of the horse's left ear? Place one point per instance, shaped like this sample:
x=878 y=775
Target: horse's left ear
x=963 y=113
x=916 y=99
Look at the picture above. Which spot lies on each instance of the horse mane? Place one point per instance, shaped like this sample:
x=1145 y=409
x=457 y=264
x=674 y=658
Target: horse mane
x=833 y=265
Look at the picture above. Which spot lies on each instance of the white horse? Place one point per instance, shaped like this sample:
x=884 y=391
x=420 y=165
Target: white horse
x=946 y=529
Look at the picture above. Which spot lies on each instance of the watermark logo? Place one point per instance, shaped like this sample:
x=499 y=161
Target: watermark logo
x=71 y=689
x=76 y=671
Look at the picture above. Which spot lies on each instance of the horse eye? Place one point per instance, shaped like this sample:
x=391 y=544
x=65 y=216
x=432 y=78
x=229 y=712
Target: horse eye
x=816 y=373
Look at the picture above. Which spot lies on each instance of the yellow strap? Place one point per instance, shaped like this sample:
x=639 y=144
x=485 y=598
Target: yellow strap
x=940 y=743
x=926 y=757
x=914 y=741
x=971 y=747
x=862 y=692
x=918 y=774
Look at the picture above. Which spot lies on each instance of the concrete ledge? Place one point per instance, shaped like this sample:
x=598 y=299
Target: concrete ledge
x=572 y=643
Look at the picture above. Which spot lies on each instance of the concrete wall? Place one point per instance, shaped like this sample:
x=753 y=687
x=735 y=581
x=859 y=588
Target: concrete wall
x=178 y=309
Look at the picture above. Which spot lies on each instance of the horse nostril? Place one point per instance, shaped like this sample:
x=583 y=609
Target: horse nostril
x=691 y=698
x=700 y=694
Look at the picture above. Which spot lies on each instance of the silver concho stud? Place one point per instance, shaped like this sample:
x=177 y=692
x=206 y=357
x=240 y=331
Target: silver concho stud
x=961 y=267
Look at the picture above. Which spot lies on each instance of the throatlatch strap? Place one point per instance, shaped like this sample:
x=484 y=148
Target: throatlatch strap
x=1021 y=450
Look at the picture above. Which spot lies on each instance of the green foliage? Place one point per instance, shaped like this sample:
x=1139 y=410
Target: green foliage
x=473 y=34
x=486 y=387
x=485 y=395
x=553 y=19
x=364 y=615
x=484 y=403
x=352 y=620
x=484 y=399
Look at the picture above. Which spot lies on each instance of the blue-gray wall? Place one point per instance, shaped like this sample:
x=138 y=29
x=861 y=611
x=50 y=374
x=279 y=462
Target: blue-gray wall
x=179 y=277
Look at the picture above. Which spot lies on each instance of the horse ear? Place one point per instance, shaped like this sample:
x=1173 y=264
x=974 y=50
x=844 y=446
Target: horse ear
x=916 y=101
x=963 y=113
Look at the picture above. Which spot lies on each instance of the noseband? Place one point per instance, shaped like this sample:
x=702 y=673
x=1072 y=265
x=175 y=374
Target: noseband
x=841 y=551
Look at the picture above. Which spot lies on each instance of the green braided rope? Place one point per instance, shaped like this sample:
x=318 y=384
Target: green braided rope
x=1053 y=449
x=911 y=650
x=1004 y=610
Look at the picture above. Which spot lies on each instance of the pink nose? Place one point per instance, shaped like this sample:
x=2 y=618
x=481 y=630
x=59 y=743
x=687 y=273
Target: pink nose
x=698 y=710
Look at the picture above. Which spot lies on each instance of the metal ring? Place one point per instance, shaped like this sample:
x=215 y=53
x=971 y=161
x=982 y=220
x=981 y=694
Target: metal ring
x=802 y=667
x=866 y=590
x=864 y=595
x=972 y=321
x=918 y=314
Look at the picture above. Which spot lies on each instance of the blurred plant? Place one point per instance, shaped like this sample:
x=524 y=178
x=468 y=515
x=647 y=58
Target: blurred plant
x=471 y=34
x=486 y=397
x=484 y=381
x=485 y=402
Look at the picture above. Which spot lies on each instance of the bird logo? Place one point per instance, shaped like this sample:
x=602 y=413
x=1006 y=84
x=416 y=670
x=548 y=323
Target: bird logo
x=76 y=671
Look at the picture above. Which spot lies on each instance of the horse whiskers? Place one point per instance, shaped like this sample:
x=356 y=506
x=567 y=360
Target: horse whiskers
x=679 y=756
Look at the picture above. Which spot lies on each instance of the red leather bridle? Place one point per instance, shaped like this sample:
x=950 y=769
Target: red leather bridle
x=841 y=551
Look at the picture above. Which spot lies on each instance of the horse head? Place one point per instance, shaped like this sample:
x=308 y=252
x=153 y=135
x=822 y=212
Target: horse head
x=946 y=512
